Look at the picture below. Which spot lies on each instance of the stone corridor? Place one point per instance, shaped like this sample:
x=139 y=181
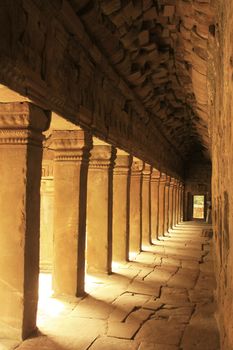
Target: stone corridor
x=163 y=300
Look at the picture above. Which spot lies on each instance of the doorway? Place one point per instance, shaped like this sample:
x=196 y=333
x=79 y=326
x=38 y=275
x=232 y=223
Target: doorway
x=199 y=207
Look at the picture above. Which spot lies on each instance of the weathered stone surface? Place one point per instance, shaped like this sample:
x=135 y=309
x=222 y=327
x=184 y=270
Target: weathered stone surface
x=161 y=332
x=110 y=317
x=108 y=343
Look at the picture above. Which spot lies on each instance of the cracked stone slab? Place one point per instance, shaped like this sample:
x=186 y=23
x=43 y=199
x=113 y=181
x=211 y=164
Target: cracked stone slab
x=153 y=346
x=109 y=343
x=92 y=308
x=176 y=314
x=125 y=304
x=161 y=332
x=174 y=296
x=139 y=315
x=124 y=330
x=141 y=287
x=202 y=331
x=184 y=278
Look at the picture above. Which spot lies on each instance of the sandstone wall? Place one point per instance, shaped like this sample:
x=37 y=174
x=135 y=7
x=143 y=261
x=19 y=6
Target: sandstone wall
x=221 y=97
x=47 y=55
x=197 y=181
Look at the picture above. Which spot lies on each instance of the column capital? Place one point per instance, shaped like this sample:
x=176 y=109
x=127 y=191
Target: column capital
x=181 y=186
x=102 y=157
x=155 y=175
x=176 y=183
x=163 y=179
x=168 y=181
x=172 y=182
x=147 y=171
x=22 y=123
x=137 y=167
x=70 y=145
x=123 y=164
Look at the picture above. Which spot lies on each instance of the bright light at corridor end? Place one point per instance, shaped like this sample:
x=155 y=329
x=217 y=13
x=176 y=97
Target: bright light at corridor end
x=47 y=305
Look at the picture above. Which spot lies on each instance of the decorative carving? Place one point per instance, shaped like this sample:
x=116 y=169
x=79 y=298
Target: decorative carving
x=102 y=157
x=71 y=145
x=22 y=123
x=122 y=164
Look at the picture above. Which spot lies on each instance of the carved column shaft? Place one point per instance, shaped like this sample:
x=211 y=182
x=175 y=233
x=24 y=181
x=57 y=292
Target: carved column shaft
x=182 y=203
x=70 y=192
x=155 y=176
x=174 y=203
x=162 y=183
x=21 y=126
x=177 y=202
x=121 y=194
x=146 y=205
x=46 y=212
x=171 y=202
x=167 y=205
x=135 y=207
x=99 y=209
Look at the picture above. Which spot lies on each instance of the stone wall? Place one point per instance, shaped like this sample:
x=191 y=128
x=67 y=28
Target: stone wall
x=197 y=181
x=47 y=56
x=221 y=96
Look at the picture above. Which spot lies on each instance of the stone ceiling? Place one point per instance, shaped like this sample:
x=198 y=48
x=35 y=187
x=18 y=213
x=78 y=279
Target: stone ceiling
x=159 y=47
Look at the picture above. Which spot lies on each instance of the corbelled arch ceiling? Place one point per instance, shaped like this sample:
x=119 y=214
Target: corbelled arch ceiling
x=160 y=48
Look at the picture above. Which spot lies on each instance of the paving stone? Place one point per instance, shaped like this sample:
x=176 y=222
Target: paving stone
x=153 y=304
x=92 y=308
x=202 y=331
x=144 y=288
x=170 y=261
x=6 y=344
x=200 y=295
x=192 y=265
x=125 y=304
x=161 y=332
x=153 y=346
x=139 y=315
x=174 y=296
x=108 y=343
x=176 y=314
x=184 y=278
x=125 y=330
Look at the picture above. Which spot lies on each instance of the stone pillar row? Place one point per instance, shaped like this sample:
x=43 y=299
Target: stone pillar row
x=107 y=206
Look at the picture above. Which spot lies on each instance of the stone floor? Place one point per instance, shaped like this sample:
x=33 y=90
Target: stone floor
x=161 y=301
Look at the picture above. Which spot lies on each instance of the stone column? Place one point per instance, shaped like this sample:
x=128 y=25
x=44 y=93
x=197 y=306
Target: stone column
x=46 y=213
x=171 y=202
x=99 y=209
x=146 y=205
x=135 y=222
x=121 y=193
x=155 y=176
x=174 y=203
x=182 y=203
x=70 y=192
x=167 y=205
x=162 y=183
x=21 y=126
x=177 y=202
